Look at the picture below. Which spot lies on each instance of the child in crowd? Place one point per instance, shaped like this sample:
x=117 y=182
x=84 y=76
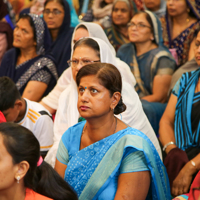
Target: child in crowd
x=27 y=113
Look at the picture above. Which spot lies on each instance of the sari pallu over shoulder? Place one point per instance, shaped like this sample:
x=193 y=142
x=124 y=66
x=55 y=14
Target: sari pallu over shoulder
x=91 y=169
x=182 y=124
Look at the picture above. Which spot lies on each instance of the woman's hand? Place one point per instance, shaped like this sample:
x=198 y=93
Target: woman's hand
x=182 y=182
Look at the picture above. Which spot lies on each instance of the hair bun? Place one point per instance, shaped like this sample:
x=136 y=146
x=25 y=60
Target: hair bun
x=121 y=107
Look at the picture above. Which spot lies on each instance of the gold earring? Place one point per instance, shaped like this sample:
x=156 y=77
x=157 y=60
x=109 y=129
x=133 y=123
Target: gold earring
x=18 y=178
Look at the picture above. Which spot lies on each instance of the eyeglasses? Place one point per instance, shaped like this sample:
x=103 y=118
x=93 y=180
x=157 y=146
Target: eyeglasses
x=54 y=12
x=137 y=26
x=74 y=63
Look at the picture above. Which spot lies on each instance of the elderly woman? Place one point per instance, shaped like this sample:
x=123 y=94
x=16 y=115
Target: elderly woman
x=57 y=16
x=33 y=72
x=179 y=25
x=122 y=12
x=104 y=148
x=150 y=62
x=179 y=129
x=158 y=7
x=67 y=114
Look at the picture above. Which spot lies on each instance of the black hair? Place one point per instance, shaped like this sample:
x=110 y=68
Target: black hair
x=148 y=18
x=109 y=77
x=89 y=42
x=196 y=32
x=26 y=16
x=58 y=1
x=22 y=145
x=8 y=93
x=82 y=26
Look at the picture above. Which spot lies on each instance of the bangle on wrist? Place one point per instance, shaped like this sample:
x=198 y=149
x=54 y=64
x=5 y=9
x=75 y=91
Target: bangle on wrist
x=169 y=143
x=194 y=164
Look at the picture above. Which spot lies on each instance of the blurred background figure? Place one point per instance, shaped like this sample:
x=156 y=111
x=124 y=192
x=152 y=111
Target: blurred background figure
x=181 y=20
x=33 y=72
x=57 y=17
x=151 y=64
x=158 y=7
x=122 y=13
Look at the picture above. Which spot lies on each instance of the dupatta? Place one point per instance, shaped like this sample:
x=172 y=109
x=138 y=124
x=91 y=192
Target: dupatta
x=182 y=124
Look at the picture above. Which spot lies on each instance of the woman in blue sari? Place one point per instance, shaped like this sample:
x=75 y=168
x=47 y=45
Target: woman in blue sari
x=102 y=157
x=27 y=65
x=151 y=63
x=180 y=129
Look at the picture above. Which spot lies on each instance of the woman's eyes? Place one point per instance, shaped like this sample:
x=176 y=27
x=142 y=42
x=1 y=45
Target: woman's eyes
x=82 y=90
x=94 y=91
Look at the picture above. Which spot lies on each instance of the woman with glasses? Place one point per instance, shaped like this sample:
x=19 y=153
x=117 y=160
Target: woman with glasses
x=33 y=71
x=150 y=62
x=102 y=157
x=122 y=13
x=57 y=16
x=179 y=24
x=67 y=114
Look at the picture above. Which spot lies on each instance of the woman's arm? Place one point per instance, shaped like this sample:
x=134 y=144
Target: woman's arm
x=166 y=130
x=133 y=185
x=160 y=89
x=34 y=90
x=182 y=182
x=60 y=168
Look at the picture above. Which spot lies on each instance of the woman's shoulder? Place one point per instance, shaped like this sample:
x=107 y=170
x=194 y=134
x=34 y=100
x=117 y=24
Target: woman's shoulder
x=32 y=195
x=126 y=46
x=10 y=52
x=75 y=129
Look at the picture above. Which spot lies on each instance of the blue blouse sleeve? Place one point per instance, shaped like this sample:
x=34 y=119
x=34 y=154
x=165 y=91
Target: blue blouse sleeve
x=134 y=162
x=62 y=153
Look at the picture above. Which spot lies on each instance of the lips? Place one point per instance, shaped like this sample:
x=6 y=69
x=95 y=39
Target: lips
x=84 y=108
x=50 y=23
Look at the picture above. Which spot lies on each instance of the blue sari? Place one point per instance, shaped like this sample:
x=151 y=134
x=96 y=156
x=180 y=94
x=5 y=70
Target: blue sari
x=186 y=136
x=93 y=171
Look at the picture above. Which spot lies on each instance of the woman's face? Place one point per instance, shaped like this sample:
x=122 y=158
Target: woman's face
x=176 y=7
x=23 y=35
x=120 y=14
x=152 y=5
x=93 y=98
x=81 y=55
x=140 y=30
x=53 y=15
x=8 y=170
x=80 y=33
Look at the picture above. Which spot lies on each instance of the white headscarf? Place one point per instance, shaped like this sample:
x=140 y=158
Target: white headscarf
x=94 y=30
x=67 y=113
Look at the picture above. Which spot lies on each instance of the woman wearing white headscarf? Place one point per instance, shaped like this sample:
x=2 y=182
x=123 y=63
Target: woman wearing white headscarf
x=85 y=29
x=67 y=114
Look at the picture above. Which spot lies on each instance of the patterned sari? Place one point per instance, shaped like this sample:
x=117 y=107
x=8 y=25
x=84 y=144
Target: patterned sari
x=182 y=42
x=93 y=171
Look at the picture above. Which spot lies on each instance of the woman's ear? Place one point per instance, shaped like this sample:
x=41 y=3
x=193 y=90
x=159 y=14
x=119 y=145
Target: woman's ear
x=22 y=169
x=115 y=99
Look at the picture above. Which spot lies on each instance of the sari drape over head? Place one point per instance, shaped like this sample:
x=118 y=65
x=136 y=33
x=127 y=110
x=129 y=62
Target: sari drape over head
x=61 y=47
x=37 y=68
x=147 y=65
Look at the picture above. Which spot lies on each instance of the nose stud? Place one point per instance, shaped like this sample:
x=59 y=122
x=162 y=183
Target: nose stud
x=85 y=87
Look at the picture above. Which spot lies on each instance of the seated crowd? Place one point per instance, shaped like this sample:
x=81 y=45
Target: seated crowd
x=109 y=100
